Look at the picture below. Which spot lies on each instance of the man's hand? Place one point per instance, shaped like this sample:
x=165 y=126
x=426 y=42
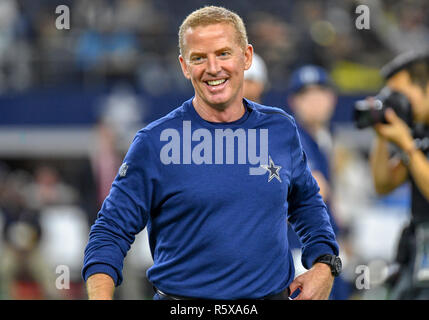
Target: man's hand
x=396 y=131
x=315 y=284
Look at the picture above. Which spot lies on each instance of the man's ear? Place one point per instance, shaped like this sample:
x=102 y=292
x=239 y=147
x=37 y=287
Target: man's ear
x=248 y=55
x=184 y=67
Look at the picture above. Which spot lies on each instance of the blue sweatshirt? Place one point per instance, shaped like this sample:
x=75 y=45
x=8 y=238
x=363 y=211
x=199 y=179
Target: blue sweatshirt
x=215 y=198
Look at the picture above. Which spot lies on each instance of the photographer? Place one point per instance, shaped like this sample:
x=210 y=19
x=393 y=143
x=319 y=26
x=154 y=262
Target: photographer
x=405 y=123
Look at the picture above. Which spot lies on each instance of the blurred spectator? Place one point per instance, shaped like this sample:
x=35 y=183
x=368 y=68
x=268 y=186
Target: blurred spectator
x=255 y=80
x=273 y=38
x=42 y=229
x=110 y=39
x=15 y=51
x=120 y=117
x=24 y=273
x=106 y=50
x=48 y=189
x=313 y=99
x=106 y=161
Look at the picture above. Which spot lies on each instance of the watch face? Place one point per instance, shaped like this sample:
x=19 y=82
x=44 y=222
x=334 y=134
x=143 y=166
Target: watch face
x=337 y=265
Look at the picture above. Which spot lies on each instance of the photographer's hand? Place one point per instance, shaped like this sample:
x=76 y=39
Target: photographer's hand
x=396 y=131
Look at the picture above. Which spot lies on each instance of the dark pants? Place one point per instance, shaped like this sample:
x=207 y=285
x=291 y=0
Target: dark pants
x=405 y=287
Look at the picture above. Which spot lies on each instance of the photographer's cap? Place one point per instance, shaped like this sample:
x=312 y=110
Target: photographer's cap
x=402 y=61
x=306 y=76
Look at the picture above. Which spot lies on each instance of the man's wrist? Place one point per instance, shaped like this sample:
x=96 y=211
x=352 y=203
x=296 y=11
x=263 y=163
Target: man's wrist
x=333 y=262
x=100 y=286
x=409 y=147
x=407 y=153
x=322 y=267
x=101 y=268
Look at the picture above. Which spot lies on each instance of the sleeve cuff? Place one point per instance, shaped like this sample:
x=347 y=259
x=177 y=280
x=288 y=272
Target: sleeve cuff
x=101 y=268
x=311 y=254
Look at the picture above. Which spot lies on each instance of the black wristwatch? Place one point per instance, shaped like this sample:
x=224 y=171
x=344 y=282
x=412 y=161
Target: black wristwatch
x=334 y=262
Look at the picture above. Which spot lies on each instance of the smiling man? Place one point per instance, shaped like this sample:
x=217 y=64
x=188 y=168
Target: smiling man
x=215 y=182
x=214 y=56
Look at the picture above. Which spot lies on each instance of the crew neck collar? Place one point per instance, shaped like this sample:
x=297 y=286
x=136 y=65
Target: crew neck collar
x=247 y=117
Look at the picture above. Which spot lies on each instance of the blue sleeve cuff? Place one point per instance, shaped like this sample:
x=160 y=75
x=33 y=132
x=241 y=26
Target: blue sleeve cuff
x=101 y=268
x=311 y=254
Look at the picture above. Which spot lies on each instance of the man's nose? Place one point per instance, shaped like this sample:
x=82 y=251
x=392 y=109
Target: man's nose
x=213 y=66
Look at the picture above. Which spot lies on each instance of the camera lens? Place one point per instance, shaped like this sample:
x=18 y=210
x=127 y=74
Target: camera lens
x=368 y=112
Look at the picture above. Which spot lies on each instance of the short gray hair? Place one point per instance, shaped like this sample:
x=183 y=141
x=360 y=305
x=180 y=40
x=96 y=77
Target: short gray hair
x=213 y=15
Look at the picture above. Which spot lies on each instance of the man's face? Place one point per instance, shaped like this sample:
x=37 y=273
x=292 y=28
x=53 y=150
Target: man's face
x=418 y=97
x=215 y=63
x=314 y=105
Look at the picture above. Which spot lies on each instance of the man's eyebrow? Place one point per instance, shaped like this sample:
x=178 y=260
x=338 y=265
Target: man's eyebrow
x=223 y=49
x=200 y=54
x=196 y=54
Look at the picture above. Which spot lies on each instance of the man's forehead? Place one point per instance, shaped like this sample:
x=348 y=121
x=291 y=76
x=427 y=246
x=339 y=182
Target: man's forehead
x=195 y=36
x=210 y=30
x=398 y=80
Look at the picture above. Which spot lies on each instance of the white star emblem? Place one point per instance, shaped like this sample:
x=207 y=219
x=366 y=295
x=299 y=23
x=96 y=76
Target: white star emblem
x=273 y=170
x=123 y=170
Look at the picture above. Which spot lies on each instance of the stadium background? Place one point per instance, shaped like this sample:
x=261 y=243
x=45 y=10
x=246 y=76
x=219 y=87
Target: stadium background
x=71 y=101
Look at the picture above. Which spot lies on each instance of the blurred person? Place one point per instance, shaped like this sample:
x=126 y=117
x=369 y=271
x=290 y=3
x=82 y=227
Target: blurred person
x=255 y=79
x=62 y=223
x=312 y=99
x=120 y=116
x=276 y=41
x=23 y=271
x=215 y=232
x=107 y=50
x=400 y=25
x=15 y=50
x=105 y=160
x=407 y=130
x=48 y=189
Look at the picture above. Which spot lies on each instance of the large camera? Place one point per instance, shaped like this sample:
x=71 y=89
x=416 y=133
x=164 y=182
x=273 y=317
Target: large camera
x=372 y=110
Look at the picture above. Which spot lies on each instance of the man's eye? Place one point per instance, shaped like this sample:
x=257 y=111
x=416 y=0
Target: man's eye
x=196 y=59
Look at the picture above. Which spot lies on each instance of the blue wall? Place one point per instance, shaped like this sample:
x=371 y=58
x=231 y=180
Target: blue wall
x=73 y=106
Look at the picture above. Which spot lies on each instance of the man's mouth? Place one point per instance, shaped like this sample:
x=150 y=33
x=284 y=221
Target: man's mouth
x=214 y=83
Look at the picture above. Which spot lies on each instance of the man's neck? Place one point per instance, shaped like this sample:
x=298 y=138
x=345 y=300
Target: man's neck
x=230 y=113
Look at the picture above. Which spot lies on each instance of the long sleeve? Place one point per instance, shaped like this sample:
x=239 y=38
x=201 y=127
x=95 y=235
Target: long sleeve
x=307 y=212
x=124 y=212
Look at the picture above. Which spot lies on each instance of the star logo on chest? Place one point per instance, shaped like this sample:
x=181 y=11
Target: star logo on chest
x=273 y=170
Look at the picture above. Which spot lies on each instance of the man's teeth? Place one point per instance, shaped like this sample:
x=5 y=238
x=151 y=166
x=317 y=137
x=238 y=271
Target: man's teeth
x=216 y=82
